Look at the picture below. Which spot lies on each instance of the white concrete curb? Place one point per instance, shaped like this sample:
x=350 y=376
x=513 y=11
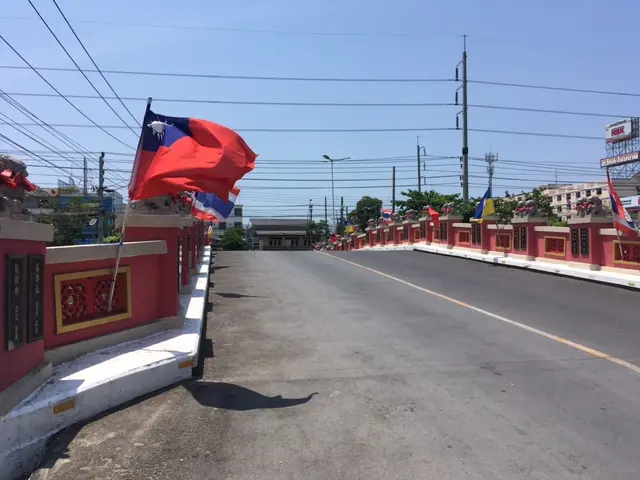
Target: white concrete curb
x=612 y=278
x=102 y=380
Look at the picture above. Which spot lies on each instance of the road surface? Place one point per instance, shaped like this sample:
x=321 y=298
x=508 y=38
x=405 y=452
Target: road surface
x=386 y=365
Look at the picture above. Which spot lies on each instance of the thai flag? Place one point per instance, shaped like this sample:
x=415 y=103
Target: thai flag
x=209 y=204
x=386 y=215
x=621 y=218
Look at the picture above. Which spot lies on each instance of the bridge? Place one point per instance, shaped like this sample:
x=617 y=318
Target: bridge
x=385 y=362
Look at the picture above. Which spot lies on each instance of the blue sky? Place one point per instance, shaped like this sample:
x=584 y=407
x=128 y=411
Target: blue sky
x=581 y=44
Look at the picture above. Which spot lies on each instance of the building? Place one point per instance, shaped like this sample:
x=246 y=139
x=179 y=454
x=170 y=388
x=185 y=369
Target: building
x=280 y=234
x=564 y=198
x=45 y=202
x=233 y=221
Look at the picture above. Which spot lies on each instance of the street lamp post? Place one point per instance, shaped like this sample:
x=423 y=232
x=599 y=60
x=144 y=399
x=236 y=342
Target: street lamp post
x=333 y=196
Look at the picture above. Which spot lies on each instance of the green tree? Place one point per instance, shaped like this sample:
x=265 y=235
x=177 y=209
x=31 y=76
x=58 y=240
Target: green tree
x=366 y=208
x=505 y=206
x=68 y=220
x=417 y=201
x=233 y=239
x=321 y=227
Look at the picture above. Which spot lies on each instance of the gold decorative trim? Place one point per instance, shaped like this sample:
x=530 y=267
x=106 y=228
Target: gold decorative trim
x=616 y=252
x=564 y=247
x=63 y=277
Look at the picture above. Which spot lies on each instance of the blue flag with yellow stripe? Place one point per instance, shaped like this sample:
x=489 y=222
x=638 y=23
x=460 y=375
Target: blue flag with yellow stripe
x=485 y=208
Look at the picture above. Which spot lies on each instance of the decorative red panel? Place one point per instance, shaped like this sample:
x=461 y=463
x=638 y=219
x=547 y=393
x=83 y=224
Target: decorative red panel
x=554 y=245
x=82 y=298
x=463 y=237
x=630 y=252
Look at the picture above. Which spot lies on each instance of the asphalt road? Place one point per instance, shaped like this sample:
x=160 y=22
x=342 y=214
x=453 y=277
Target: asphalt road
x=324 y=370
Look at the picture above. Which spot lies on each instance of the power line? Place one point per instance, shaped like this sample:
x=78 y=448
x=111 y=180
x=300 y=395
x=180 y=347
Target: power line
x=94 y=63
x=61 y=95
x=260 y=31
x=329 y=79
x=243 y=102
x=78 y=66
x=68 y=141
x=559 y=89
x=7 y=139
x=26 y=134
x=536 y=134
x=359 y=130
x=242 y=77
x=333 y=104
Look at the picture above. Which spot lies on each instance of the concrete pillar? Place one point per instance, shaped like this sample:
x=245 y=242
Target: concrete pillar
x=22 y=288
x=141 y=227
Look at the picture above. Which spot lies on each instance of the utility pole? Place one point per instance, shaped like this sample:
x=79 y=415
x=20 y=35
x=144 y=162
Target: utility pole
x=393 y=191
x=310 y=220
x=325 y=212
x=341 y=215
x=465 y=124
x=84 y=176
x=101 y=198
x=419 y=166
x=327 y=158
x=490 y=159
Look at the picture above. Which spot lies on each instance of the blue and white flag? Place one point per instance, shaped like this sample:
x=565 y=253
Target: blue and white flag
x=210 y=203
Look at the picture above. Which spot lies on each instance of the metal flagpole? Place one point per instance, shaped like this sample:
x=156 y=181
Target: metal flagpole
x=126 y=212
x=614 y=222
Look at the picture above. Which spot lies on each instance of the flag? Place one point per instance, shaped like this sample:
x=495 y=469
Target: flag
x=177 y=154
x=435 y=216
x=621 y=219
x=212 y=204
x=386 y=215
x=484 y=208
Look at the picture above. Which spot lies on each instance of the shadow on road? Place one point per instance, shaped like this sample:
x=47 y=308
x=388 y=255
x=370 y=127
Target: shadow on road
x=236 y=295
x=234 y=397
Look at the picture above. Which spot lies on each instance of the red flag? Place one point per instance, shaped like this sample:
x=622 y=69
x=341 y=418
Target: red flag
x=177 y=154
x=435 y=216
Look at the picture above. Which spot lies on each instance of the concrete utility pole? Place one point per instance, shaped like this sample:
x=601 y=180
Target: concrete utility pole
x=490 y=159
x=393 y=190
x=310 y=220
x=419 y=149
x=101 y=198
x=325 y=211
x=465 y=124
x=333 y=195
x=419 y=165
x=84 y=176
x=341 y=215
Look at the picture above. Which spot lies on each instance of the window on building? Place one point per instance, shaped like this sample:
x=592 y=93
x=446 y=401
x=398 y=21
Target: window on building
x=558 y=197
x=587 y=193
x=559 y=208
x=598 y=191
x=237 y=212
x=275 y=241
x=237 y=225
x=577 y=194
x=222 y=226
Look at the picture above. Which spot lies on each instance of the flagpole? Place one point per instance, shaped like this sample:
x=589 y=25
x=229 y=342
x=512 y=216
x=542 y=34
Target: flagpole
x=126 y=212
x=614 y=223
